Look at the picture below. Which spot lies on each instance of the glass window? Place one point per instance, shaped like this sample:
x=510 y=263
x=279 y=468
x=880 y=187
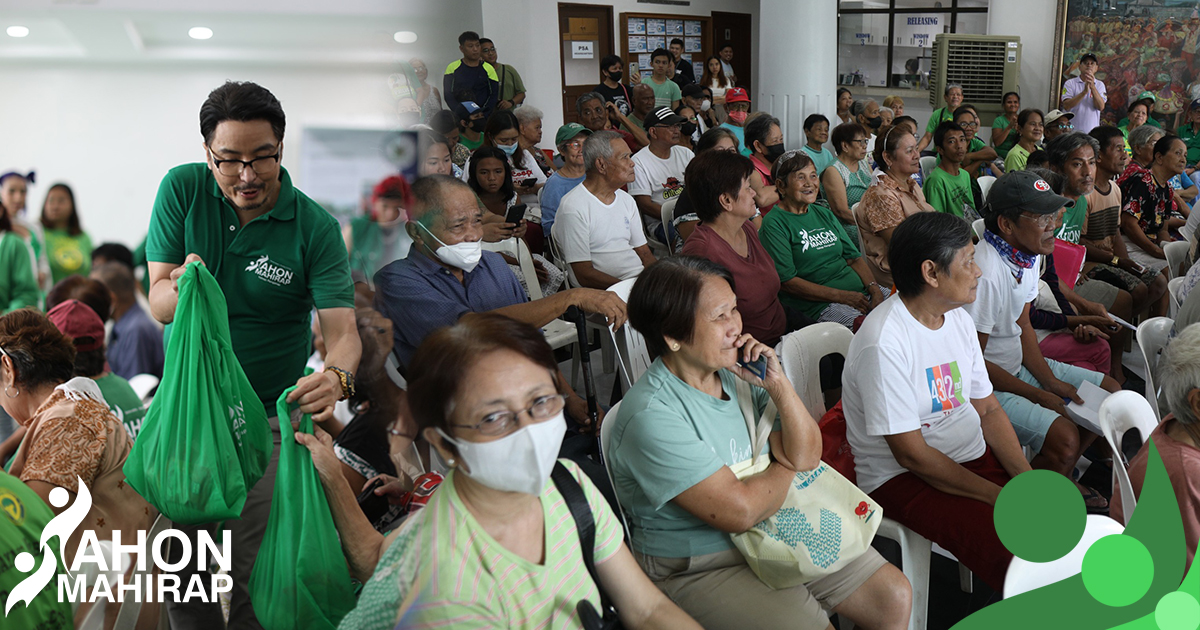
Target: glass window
x=862 y=49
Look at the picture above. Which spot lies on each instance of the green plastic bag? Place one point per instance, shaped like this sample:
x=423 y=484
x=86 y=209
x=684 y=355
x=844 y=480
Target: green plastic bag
x=205 y=440
x=300 y=579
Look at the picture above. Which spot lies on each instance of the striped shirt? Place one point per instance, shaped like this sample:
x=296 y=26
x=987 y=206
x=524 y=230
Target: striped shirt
x=471 y=581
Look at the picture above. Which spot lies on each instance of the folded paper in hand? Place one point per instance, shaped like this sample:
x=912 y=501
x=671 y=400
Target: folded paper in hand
x=1087 y=415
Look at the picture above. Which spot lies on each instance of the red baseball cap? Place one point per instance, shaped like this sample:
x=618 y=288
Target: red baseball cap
x=394 y=187
x=79 y=322
x=737 y=95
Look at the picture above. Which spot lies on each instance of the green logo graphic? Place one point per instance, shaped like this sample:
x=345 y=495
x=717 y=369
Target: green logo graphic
x=1130 y=581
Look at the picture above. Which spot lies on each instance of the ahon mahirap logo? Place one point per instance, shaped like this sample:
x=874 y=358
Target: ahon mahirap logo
x=111 y=582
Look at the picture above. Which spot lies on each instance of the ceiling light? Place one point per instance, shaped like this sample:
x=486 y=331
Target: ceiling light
x=22 y=31
x=405 y=37
x=200 y=32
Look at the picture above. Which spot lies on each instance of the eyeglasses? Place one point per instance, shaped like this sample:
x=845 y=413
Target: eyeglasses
x=574 y=144
x=233 y=168
x=1043 y=220
x=969 y=125
x=1066 y=126
x=488 y=50
x=499 y=423
x=862 y=142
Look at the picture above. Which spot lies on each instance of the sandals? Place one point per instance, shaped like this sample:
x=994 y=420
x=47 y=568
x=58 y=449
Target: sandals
x=1091 y=499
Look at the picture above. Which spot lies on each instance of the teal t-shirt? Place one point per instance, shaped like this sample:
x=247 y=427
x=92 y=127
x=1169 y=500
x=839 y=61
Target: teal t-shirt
x=1073 y=217
x=23 y=516
x=664 y=94
x=820 y=159
x=950 y=193
x=123 y=402
x=667 y=437
x=812 y=246
x=740 y=132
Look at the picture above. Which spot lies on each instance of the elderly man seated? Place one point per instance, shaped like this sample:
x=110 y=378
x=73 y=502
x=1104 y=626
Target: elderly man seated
x=446 y=275
x=937 y=468
x=598 y=231
x=596 y=114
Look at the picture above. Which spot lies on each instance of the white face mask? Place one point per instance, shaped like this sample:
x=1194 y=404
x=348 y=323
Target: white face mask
x=706 y=105
x=464 y=255
x=518 y=462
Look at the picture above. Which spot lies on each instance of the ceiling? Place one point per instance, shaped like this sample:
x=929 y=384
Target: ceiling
x=277 y=32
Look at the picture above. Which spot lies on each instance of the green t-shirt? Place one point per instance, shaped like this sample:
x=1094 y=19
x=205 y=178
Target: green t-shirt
x=510 y=81
x=1010 y=141
x=68 y=254
x=18 y=284
x=1192 y=139
x=939 y=116
x=123 y=402
x=812 y=246
x=466 y=142
x=636 y=122
x=1017 y=157
x=665 y=93
x=1073 y=217
x=23 y=516
x=950 y=193
x=273 y=270
x=667 y=437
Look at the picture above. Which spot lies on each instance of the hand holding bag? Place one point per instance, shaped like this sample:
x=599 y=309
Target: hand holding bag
x=824 y=523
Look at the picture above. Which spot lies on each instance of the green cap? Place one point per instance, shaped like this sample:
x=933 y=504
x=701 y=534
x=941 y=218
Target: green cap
x=1146 y=95
x=568 y=131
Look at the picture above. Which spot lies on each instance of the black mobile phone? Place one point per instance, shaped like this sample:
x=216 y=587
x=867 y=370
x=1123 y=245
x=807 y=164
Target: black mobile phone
x=515 y=213
x=757 y=368
x=373 y=506
x=526 y=183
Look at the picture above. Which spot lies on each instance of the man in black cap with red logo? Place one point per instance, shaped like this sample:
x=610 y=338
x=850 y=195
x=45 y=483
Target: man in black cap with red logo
x=658 y=169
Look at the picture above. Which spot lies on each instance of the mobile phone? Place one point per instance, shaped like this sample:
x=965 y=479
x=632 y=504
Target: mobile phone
x=757 y=368
x=515 y=213
x=526 y=183
x=373 y=506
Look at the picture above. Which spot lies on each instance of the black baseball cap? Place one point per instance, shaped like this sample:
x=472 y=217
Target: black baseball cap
x=1087 y=56
x=692 y=89
x=662 y=116
x=1027 y=191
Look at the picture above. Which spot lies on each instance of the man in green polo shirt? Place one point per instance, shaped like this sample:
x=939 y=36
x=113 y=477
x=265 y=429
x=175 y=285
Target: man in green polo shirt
x=276 y=254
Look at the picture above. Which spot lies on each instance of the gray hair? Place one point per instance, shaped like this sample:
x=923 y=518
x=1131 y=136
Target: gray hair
x=598 y=147
x=527 y=113
x=1058 y=149
x=858 y=107
x=585 y=98
x=1144 y=135
x=888 y=110
x=1179 y=372
x=430 y=194
x=950 y=86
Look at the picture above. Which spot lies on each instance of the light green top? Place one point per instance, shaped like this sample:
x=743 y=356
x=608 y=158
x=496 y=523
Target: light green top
x=18 y=284
x=1017 y=157
x=123 y=402
x=665 y=93
x=23 y=516
x=666 y=438
x=510 y=81
x=950 y=193
x=812 y=246
x=68 y=254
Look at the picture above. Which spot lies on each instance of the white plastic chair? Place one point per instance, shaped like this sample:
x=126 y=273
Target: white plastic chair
x=857 y=230
x=915 y=553
x=143 y=385
x=668 y=217
x=1152 y=337
x=978 y=226
x=605 y=436
x=800 y=354
x=1176 y=252
x=1173 y=290
x=985 y=184
x=633 y=357
x=1024 y=576
x=559 y=333
x=1119 y=413
x=928 y=162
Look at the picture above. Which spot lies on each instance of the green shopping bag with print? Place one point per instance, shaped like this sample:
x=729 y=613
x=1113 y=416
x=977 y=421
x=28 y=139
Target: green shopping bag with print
x=300 y=578
x=205 y=440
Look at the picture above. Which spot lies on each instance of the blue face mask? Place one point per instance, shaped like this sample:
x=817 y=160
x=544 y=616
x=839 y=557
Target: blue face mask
x=508 y=149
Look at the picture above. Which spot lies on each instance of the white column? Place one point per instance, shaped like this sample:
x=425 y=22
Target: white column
x=797 y=69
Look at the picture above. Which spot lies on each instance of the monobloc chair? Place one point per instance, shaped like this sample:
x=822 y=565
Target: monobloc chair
x=1024 y=576
x=1119 y=413
x=667 y=216
x=633 y=357
x=1173 y=288
x=985 y=184
x=605 y=436
x=1152 y=336
x=858 y=230
x=928 y=163
x=977 y=227
x=144 y=385
x=1176 y=252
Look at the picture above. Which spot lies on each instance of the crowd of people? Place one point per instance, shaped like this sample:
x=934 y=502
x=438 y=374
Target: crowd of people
x=435 y=388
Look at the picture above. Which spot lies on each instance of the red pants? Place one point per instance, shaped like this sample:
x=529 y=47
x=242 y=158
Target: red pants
x=1064 y=348
x=964 y=527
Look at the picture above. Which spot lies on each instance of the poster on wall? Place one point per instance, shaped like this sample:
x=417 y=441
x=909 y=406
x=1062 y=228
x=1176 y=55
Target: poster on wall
x=675 y=28
x=644 y=62
x=637 y=26
x=637 y=43
x=654 y=42
x=1141 y=46
x=691 y=28
x=692 y=44
x=656 y=26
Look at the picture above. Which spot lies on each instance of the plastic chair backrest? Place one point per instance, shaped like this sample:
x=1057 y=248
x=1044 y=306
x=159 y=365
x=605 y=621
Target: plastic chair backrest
x=1176 y=252
x=857 y=229
x=927 y=164
x=517 y=248
x=978 y=227
x=633 y=356
x=801 y=352
x=1119 y=413
x=605 y=436
x=1024 y=576
x=1173 y=290
x=985 y=184
x=667 y=216
x=143 y=385
x=1152 y=337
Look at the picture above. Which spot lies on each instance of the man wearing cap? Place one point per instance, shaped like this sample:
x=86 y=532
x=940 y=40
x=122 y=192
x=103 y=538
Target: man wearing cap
x=569 y=142
x=598 y=232
x=471 y=78
x=1056 y=124
x=471 y=122
x=737 y=108
x=378 y=238
x=658 y=170
x=693 y=96
x=1021 y=216
x=1085 y=95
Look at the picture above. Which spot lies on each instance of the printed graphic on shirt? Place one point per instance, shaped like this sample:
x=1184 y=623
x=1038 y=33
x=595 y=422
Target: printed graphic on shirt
x=817 y=239
x=268 y=271
x=672 y=188
x=945 y=386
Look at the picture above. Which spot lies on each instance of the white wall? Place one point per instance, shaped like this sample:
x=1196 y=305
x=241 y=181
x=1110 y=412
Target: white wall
x=1033 y=21
x=526 y=36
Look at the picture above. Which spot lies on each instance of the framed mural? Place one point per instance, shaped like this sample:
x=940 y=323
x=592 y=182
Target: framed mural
x=1142 y=45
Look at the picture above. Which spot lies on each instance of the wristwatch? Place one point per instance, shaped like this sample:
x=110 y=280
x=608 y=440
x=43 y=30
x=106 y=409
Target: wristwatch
x=1116 y=261
x=347 y=381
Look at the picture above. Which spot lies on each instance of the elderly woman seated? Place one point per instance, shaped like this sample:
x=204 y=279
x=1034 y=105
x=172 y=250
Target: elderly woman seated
x=676 y=435
x=1178 y=437
x=823 y=274
x=896 y=197
x=936 y=468
x=497 y=543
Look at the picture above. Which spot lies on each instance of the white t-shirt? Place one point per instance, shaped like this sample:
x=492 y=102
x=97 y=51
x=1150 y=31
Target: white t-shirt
x=998 y=303
x=531 y=170
x=661 y=179
x=585 y=228
x=901 y=376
